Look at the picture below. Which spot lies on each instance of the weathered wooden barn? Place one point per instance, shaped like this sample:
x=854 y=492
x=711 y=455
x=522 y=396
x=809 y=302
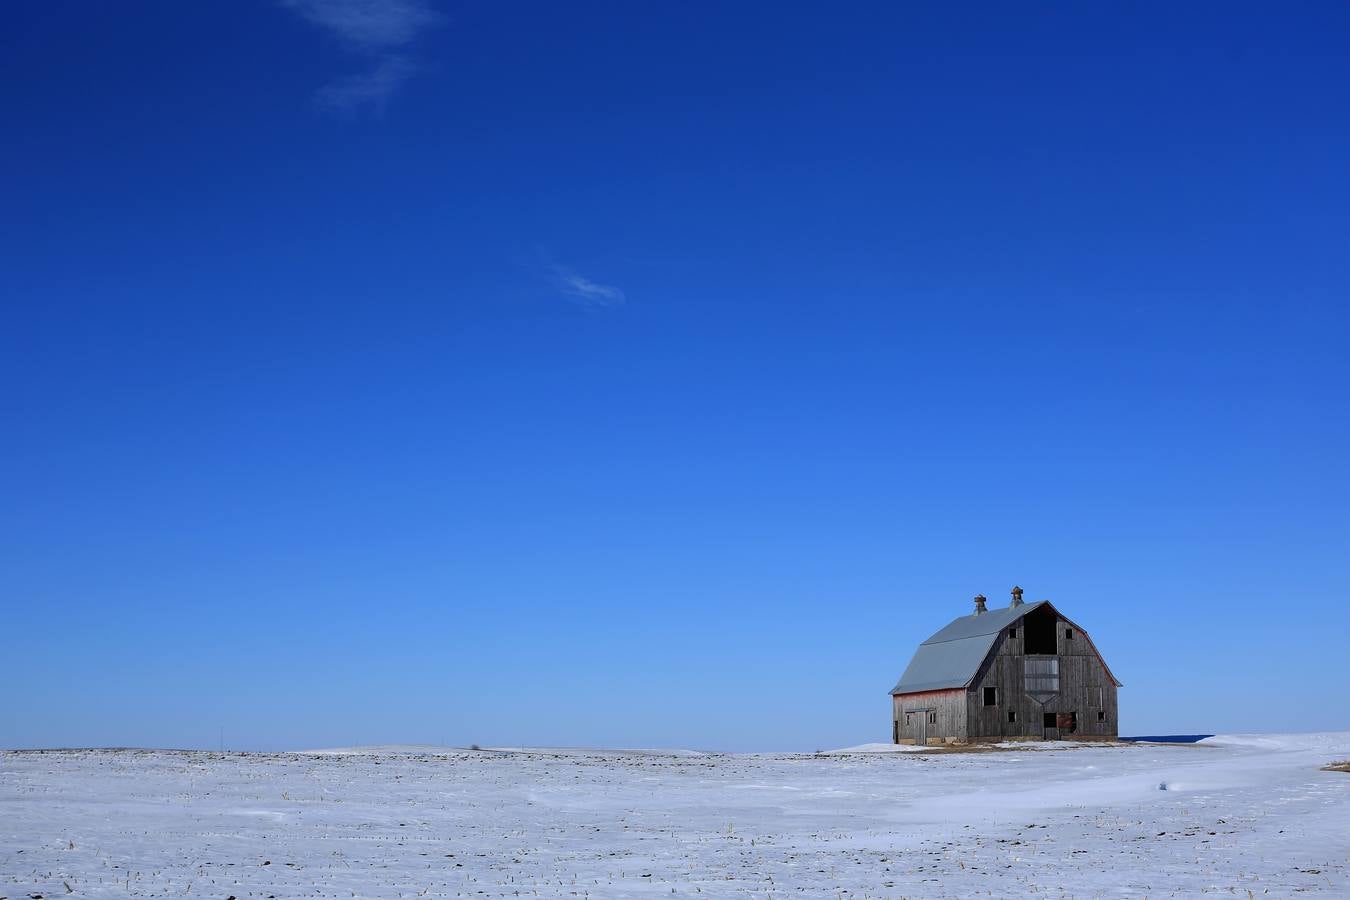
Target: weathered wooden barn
x=1021 y=673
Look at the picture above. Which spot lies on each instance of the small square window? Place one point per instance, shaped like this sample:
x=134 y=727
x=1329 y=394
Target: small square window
x=991 y=696
x=1012 y=715
x=1068 y=633
x=1101 y=715
x=1012 y=632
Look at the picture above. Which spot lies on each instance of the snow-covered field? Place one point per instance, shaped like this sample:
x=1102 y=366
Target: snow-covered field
x=1246 y=816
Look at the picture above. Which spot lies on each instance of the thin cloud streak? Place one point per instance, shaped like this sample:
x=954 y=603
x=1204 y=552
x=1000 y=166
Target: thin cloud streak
x=368 y=24
x=591 y=294
x=378 y=28
x=374 y=88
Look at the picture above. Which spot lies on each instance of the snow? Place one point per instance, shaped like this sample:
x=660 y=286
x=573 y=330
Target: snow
x=1324 y=742
x=592 y=751
x=1230 y=815
x=439 y=750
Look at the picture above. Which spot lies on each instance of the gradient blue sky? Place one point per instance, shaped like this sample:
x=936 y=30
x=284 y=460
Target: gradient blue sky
x=620 y=374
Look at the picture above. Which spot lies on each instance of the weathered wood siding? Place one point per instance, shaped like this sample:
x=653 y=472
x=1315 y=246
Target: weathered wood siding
x=948 y=706
x=1085 y=688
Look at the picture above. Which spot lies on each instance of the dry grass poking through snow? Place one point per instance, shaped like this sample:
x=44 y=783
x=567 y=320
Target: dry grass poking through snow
x=1342 y=766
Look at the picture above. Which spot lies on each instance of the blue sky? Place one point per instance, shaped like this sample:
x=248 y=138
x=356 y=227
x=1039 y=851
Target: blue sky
x=616 y=374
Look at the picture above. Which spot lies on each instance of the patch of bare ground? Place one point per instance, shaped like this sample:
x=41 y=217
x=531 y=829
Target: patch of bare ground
x=1022 y=746
x=1342 y=766
x=1008 y=747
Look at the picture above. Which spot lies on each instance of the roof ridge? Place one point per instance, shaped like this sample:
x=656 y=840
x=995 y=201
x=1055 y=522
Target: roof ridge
x=950 y=640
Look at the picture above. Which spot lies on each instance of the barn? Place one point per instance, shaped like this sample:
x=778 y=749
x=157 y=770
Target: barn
x=1020 y=673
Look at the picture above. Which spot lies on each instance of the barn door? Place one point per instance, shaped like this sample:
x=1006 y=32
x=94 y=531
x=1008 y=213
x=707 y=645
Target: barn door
x=1050 y=726
x=921 y=727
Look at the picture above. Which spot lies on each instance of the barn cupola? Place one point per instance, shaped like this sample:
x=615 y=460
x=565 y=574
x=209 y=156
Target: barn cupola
x=1016 y=598
x=979 y=605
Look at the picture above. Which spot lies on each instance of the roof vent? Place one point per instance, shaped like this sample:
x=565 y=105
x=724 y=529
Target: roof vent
x=1017 y=597
x=979 y=605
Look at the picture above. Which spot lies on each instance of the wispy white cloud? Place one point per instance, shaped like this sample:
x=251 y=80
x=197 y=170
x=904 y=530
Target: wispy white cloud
x=368 y=24
x=368 y=88
x=591 y=294
x=382 y=29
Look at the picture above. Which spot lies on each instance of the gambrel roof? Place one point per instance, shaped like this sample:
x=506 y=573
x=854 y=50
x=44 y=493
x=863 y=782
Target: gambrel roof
x=952 y=657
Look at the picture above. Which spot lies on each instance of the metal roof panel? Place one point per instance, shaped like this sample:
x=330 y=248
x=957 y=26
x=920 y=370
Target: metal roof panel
x=991 y=622
x=947 y=664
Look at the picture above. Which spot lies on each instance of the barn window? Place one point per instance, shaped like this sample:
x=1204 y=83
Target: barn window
x=932 y=718
x=1042 y=675
x=1012 y=715
x=1068 y=633
x=1012 y=632
x=1101 y=715
x=991 y=696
